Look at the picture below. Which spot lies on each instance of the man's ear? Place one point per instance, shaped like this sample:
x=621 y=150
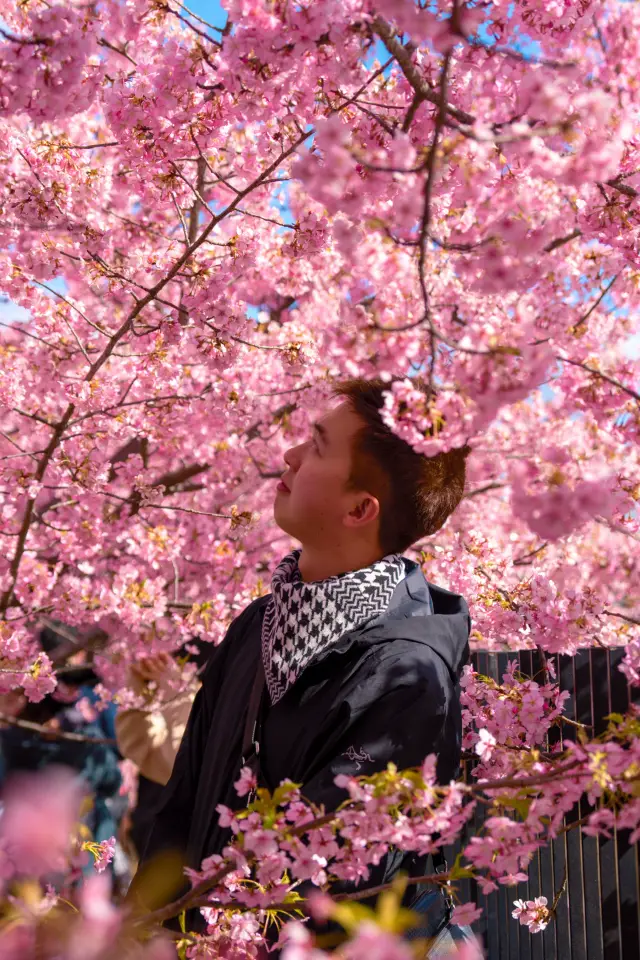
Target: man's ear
x=366 y=511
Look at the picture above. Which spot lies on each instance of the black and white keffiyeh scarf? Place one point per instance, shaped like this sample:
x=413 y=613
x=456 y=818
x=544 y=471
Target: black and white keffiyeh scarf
x=303 y=619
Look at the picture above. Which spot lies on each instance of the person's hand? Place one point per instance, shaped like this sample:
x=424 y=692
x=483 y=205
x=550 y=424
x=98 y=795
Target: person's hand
x=160 y=669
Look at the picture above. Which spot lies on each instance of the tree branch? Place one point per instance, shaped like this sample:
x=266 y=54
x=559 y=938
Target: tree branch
x=603 y=293
x=603 y=376
x=411 y=72
x=485 y=489
x=622 y=616
x=48 y=732
x=560 y=242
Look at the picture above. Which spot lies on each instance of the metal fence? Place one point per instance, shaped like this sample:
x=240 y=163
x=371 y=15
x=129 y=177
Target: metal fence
x=598 y=916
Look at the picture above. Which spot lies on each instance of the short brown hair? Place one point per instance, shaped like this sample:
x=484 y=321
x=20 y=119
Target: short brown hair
x=416 y=493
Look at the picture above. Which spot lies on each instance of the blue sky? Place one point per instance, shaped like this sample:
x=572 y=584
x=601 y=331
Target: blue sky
x=210 y=10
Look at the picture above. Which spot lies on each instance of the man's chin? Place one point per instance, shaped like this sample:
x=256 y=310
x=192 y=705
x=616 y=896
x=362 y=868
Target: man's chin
x=280 y=515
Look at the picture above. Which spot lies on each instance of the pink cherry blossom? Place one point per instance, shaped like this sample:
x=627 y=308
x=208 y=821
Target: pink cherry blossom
x=246 y=782
x=105 y=854
x=533 y=914
x=466 y=913
x=40 y=811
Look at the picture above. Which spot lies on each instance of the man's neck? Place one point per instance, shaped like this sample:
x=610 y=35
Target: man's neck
x=321 y=564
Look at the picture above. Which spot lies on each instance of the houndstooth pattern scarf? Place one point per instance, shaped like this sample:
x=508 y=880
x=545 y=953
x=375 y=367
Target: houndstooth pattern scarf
x=302 y=619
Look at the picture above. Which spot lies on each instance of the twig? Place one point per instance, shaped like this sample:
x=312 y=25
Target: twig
x=514 y=783
x=46 y=731
x=23 y=452
x=73 y=306
x=56 y=437
x=485 y=489
x=616 y=529
x=79 y=146
x=411 y=112
x=622 y=616
x=603 y=376
x=184 y=902
x=498 y=138
x=523 y=58
x=26 y=41
x=19 y=328
x=603 y=294
x=200 y=513
x=372 y=891
x=563 y=887
x=201 y=33
x=77 y=339
x=258 y=216
x=526 y=558
x=199 y=18
x=624 y=188
x=123 y=53
x=199 y=198
x=179 y=398
x=194 y=213
x=182 y=220
x=34 y=416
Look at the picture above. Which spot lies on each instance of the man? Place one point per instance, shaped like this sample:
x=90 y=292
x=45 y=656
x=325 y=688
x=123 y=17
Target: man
x=361 y=656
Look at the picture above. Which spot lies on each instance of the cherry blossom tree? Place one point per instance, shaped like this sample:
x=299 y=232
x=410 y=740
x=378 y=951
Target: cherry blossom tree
x=209 y=224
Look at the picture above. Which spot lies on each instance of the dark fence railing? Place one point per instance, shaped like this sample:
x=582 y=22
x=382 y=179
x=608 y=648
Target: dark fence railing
x=598 y=915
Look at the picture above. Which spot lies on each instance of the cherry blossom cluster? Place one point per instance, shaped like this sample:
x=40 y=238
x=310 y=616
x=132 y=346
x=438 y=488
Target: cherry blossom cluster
x=499 y=718
x=282 y=847
x=533 y=914
x=51 y=67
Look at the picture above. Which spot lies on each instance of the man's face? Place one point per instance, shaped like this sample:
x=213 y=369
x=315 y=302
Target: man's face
x=313 y=499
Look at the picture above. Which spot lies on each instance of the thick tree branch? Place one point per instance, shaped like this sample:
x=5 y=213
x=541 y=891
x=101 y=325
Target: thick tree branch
x=404 y=59
x=560 y=242
x=426 y=213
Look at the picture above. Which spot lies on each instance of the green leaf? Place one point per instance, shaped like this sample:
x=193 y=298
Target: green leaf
x=351 y=914
x=458 y=872
x=284 y=791
x=520 y=804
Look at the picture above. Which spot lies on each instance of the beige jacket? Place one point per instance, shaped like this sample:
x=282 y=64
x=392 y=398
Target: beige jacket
x=150 y=738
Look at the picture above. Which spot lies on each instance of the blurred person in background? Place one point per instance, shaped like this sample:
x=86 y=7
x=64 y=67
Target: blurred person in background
x=73 y=708
x=150 y=736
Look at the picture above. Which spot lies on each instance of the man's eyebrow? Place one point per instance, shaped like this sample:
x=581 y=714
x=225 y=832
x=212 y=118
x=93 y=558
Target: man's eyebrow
x=322 y=432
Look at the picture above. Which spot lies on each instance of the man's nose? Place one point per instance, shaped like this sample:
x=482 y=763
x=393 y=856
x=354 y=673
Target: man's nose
x=292 y=457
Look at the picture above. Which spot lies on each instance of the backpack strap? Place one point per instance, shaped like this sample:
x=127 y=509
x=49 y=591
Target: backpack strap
x=251 y=735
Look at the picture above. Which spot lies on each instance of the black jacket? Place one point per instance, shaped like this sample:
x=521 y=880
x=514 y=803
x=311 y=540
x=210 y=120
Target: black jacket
x=386 y=692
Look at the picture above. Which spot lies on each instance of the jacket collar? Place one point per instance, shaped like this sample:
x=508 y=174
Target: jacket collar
x=419 y=612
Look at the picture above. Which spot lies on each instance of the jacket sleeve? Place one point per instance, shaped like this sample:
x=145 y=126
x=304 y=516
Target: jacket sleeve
x=151 y=738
